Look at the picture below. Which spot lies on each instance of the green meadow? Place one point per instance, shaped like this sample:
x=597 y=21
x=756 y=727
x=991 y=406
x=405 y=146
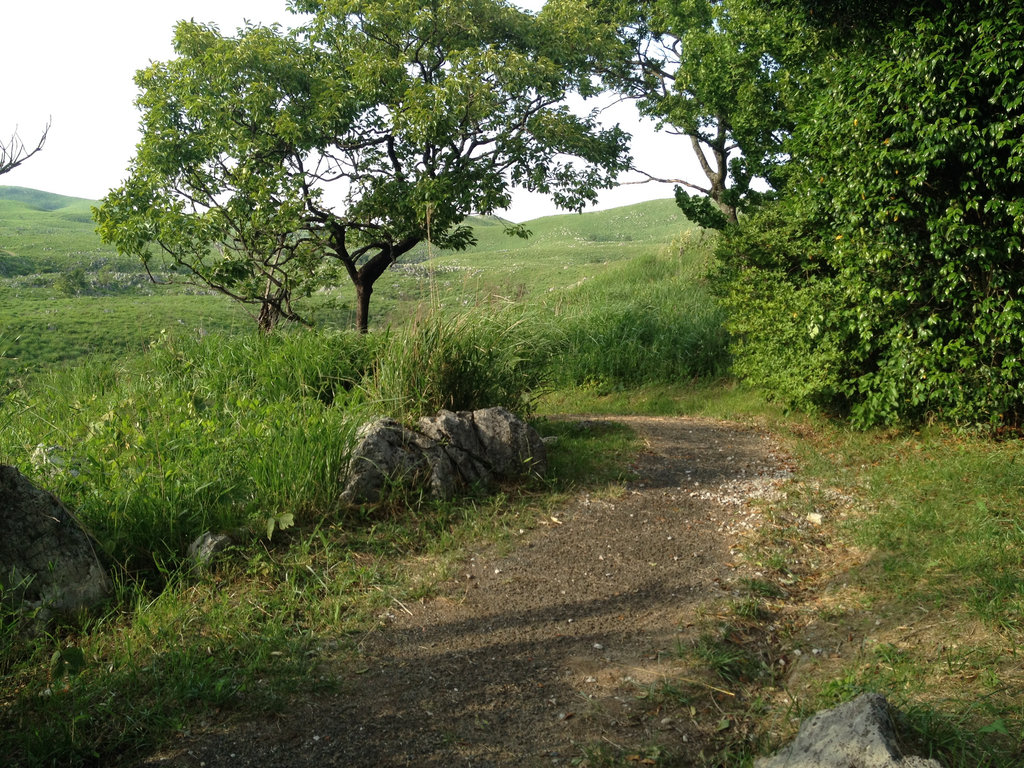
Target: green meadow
x=157 y=413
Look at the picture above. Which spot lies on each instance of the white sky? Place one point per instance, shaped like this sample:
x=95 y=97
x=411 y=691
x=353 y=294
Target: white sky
x=73 y=61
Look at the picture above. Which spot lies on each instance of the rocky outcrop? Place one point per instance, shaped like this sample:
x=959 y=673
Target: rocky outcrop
x=447 y=453
x=48 y=563
x=857 y=734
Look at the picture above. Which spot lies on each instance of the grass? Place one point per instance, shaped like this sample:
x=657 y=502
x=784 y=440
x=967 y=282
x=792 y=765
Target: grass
x=911 y=585
x=44 y=233
x=274 y=617
x=46 y=332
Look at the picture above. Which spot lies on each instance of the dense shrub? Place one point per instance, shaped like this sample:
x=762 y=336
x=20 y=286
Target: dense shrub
x=782 y=310
x=914 y=160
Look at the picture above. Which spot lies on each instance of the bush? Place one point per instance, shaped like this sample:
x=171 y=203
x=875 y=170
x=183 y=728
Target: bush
x=784 y=311
x=894 y=290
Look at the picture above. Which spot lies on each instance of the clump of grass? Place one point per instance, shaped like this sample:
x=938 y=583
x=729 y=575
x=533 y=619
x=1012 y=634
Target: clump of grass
x=460 y=361
x=731 y=661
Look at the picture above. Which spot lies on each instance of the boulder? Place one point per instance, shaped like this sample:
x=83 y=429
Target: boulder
x=207 y=546
x=504 y=445
x=48 y=563
x=447 y=453
x=856 y=734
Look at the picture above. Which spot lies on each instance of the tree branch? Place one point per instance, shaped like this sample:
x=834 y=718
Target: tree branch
x=15 y=152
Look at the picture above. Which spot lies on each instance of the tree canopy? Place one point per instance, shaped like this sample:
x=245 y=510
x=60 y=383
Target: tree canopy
x=721 y=74
x=272 y=162
x=895 y=264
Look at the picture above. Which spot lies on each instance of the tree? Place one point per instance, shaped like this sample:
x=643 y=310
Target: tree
x=720 y=73
x=412 y=114
x=907 y=264
x=14 y=152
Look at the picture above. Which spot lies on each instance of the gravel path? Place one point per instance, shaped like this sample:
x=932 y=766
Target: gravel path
x=529 y=658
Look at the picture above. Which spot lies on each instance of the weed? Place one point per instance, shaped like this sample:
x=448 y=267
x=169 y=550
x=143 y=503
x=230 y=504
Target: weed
x=729 y=660
x=750 y=608
x=762 y=587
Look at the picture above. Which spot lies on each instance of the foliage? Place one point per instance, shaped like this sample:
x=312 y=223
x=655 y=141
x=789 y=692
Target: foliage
x=422 y=113
x=460 y=361
x=199 y=434
x=71 y=283
x=923 y=155
x=913 y=167
x=724 y=74
x=782 y=309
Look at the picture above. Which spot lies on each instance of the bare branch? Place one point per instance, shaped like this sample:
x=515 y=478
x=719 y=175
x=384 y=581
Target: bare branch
x=659 y=180
x=14 y=153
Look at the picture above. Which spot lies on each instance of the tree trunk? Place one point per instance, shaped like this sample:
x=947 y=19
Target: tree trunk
x=363 y=291
x=728 y=210
x=268 y=317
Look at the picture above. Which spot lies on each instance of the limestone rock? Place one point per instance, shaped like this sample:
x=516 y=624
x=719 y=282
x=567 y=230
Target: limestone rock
x=202 y=551
x=503 y=443
x=47 y=560
x=448 y=452
x=386 y=453
x=857 y=734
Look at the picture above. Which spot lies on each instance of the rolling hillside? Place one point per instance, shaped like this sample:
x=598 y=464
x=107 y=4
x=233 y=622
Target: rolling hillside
x=44 y=233
x=66 y=296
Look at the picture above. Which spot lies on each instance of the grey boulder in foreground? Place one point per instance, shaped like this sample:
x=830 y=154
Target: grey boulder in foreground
x=446 y=454
x=48 y=563
x=857 y=734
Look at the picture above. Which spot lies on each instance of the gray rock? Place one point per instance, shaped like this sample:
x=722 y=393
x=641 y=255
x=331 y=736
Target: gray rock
x=447 y=453
x=457 y=435
x=386 y=450
x=207 y=546
x=511 y=446
x=48 y=563
x=857 y=734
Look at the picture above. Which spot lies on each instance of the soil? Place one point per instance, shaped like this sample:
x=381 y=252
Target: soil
x=533 y=657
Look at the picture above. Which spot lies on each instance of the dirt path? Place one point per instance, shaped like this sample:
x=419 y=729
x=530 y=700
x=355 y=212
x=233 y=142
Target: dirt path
x=529 y=658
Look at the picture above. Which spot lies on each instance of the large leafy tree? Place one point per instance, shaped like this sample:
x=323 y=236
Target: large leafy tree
x=904 y=244
x=272 y=163
x=722 y=74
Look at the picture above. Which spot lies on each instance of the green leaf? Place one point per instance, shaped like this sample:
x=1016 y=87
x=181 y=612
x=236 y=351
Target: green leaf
x=996 y=726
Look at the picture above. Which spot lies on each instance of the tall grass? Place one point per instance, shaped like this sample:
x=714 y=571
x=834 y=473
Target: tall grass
x=461 y=361
x=646 y=321
x=197 y=435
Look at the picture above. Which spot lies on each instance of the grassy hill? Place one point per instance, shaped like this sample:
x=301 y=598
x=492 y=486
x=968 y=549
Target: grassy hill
x=35 y=199
x=42 y=233
x=562 y=251
x=65 y=295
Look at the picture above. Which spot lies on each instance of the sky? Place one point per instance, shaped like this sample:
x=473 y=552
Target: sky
x=72 y=63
